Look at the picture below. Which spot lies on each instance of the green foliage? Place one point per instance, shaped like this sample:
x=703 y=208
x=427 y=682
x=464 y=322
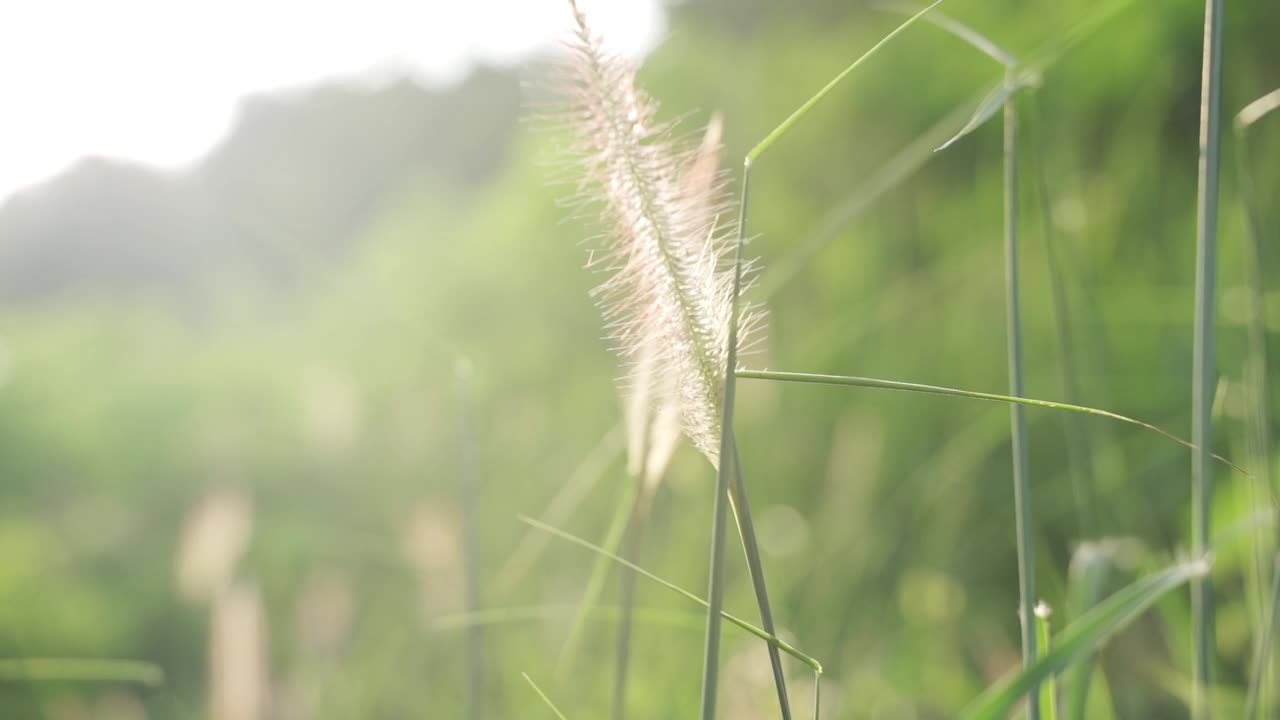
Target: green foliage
x=884 y=518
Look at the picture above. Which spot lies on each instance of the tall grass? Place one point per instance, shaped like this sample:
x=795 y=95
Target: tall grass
x=674 y=299
x=1017 y=416
x=1204 y=374
x=671 y=306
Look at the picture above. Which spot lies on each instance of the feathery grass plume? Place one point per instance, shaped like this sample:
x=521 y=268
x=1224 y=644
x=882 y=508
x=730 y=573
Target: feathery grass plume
x=653 y=416
x=668 y=299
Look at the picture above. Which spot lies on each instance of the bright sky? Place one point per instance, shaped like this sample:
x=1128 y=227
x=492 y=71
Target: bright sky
x=157 y=81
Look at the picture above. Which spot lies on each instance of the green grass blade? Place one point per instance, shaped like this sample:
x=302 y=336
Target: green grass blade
x=808 y=104
x=545 y=700
x=751 y=547
x=877 y=383
x=782 y=645
x=1204 y=373
x=991 y=104
x=1082 y=636
x=80 y=670
x=714 y=594
x=715 y=582
x=1018 y=75
x=1017 y=413
x=712 y=649
x=981 y=42
x=817 y=695
x=1258 y=109
x=891 y=174
x=1090 y=567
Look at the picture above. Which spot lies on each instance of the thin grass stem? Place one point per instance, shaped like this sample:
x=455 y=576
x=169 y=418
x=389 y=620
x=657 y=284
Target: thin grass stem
x=800 y=112
x=1204 y=373
x=545 y=700
x=817 y=695
x=892 y=173
x=715 y=591
x=751 y=546
x=1017 y=413
x=1256 y=373
x=1090 y=566
x=715 y=583
x=877 y=383
x=783 y=645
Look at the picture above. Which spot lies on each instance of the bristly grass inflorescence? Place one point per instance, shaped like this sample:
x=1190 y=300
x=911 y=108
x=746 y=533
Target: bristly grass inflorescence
x=666 y=243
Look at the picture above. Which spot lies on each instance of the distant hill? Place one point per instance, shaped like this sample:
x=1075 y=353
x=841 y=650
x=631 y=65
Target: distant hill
x=298 y=176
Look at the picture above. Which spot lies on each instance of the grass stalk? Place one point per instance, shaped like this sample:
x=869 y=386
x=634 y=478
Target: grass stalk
x=808 y=105
x=782 y=645
x=879 y=384
x=751 y=546
x=1091 y=565
x=1256 y=373
x=545 y=700
x=1017 y=413
x=715 y=582
x=1019 y=76
x=724 y=490
x=469 y=487
x=1204 y=372
x=888 y=176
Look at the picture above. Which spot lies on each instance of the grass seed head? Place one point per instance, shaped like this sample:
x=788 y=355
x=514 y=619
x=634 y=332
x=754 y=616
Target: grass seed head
x=665 y=247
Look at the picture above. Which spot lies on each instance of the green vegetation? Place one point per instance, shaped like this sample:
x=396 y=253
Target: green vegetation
x=362 y=363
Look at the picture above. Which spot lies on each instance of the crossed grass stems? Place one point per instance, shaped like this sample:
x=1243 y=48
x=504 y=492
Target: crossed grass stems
x=1077 y=640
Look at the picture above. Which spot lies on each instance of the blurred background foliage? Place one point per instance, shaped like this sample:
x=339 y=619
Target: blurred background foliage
x=230 y=414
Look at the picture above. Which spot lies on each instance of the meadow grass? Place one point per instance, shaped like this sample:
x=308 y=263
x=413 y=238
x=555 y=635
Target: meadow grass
x=1098 y=618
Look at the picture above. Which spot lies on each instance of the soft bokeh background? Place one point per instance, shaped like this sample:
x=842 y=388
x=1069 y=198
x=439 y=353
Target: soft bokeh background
x=231 y=429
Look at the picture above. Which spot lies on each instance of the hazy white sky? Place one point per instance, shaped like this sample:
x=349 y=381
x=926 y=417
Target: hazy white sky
x=157 y=81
